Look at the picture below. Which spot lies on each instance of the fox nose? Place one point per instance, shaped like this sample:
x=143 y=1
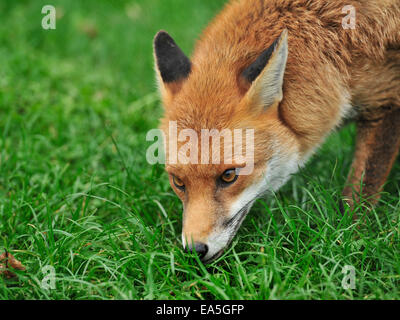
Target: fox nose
x=200 y=248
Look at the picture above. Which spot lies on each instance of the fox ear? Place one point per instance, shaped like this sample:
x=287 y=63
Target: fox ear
x=266 y=74
x=172 y=65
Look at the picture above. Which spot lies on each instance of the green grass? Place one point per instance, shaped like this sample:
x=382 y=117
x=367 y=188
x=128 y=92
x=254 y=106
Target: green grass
x=76 y=191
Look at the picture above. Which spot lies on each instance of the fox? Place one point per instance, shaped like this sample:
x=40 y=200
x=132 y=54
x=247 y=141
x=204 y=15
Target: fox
x=293 y=72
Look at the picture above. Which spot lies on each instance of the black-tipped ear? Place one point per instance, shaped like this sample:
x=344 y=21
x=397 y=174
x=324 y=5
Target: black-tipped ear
x=267 y=85
x=172 y=63
x=254 y=70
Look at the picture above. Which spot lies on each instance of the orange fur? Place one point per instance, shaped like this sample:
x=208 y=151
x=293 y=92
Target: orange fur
x=331 y=73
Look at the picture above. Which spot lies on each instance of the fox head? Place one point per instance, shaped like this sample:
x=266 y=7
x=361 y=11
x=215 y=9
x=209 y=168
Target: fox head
x=223 y=92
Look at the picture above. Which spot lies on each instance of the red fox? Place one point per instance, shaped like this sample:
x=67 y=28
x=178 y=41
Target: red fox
x=291 y=71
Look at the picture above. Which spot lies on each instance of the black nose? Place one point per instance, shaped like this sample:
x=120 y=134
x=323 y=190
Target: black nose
x=200 y=248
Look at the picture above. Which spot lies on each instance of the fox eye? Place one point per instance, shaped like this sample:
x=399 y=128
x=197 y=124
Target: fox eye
x=229 y=176
x=178 y=183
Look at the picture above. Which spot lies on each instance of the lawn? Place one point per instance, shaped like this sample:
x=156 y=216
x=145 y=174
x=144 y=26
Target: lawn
x=77 y=194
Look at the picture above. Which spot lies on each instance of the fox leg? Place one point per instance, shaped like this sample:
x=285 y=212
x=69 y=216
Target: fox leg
x=377 y=145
